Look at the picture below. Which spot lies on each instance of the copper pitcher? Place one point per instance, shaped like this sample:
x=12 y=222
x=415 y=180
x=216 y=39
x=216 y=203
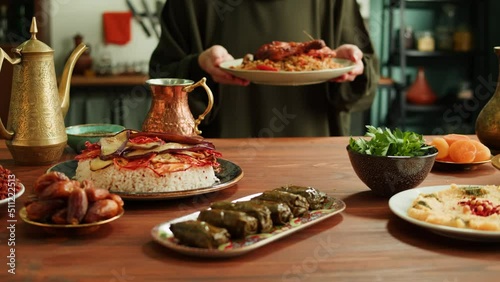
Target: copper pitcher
x=35 y=130
x=169 y=112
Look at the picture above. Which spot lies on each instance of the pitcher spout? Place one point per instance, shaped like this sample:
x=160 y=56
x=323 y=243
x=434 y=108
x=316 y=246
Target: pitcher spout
x=66 y=77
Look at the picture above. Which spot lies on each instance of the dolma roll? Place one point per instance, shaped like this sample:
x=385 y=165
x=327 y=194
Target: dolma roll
x=297 y=204
x=314 y=197
x=239 y=224
x=199 y=234
x=260 y=212
x=280 y=212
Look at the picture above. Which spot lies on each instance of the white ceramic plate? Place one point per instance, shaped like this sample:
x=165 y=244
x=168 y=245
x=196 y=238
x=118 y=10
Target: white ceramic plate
x=18 y=194
x=161 y=233
x=292 y=78
x=401 y=202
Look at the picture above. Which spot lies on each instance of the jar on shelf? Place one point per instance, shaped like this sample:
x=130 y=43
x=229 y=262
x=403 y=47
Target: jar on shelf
x=425 y=41
x=462 y=39
x=445 y=28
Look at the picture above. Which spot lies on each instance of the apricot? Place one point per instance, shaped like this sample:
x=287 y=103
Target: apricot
x=462 y=151
x=453 y=137
x=483 y=153
x=442 y=146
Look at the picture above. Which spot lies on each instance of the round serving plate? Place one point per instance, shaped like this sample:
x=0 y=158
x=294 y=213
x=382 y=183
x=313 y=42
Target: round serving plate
x=229 y=175
x=290 y=78
x=80 y=229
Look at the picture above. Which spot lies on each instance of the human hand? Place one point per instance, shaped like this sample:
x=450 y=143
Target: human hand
x=210 y=60
x=353 y=53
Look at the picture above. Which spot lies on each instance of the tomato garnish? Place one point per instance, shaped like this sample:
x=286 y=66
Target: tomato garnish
x=92 y=150
x=133 y=164
x=266 y=68
x=144 y=139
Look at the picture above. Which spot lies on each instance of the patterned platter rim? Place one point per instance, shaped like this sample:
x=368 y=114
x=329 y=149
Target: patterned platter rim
x=229 y=175
x=162 y=234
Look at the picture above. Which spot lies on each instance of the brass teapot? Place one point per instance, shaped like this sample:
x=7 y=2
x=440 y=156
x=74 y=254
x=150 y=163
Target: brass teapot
x=169 y=111
x=35 y=130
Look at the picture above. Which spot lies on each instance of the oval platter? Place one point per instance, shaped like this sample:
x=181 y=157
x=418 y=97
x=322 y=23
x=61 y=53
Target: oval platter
x=161 y=233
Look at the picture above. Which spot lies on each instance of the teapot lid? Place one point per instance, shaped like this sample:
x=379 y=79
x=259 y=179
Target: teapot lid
x=33 y=45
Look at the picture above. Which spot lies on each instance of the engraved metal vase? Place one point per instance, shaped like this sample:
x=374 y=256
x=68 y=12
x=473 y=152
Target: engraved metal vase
x=488 y=120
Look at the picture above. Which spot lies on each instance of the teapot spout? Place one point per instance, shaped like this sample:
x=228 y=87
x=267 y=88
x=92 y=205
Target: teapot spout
x=66 y=77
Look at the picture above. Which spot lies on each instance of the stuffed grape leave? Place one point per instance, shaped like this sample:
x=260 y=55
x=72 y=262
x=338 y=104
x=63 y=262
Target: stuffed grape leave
x=297 y=204
x=239 y=224
x=260 y=212
x=314 y=197
x=280 y=212
x=199 y=234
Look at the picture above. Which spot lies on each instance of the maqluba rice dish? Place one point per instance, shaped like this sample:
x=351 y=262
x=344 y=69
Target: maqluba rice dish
x=140 y=162
x=473 y=207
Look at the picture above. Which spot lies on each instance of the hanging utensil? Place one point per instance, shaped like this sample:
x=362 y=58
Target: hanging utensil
x=151 y=18
x=138 y=18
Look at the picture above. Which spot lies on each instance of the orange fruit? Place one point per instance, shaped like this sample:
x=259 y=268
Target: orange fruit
x=483 y=153
x=442 y=146
x=462 y=151
x=451 y=138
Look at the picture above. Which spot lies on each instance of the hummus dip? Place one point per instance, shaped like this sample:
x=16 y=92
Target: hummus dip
x=473 y=207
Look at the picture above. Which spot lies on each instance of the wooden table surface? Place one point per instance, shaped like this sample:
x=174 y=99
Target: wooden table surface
x=366 y=242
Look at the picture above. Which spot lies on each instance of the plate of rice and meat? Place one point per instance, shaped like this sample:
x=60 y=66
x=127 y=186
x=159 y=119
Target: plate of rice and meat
x=152 y=165
x=289 y=63
x=229 y=175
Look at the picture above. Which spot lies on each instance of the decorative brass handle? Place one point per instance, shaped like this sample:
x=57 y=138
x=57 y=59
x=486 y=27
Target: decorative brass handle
x=4 y=133
x=201 y=117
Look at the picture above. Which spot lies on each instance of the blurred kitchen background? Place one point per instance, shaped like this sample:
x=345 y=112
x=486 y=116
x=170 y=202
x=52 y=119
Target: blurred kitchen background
x=450 y=41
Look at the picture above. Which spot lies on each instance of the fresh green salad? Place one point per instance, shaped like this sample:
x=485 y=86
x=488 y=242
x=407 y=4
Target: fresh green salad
x=384 y=142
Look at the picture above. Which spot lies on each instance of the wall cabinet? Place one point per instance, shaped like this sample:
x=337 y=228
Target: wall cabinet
x=447 y=39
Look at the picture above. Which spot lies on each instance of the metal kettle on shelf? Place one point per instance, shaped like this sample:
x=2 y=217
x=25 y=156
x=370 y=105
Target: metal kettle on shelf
x=35 y=132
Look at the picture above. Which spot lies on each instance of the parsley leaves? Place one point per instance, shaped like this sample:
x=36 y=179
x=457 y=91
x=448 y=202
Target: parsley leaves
x=385 y=142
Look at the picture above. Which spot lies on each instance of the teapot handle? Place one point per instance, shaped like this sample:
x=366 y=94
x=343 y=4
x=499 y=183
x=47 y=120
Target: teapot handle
x=4 y=133
x=200 y=118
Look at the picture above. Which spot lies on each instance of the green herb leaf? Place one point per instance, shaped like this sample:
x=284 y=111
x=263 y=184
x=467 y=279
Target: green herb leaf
x=384 y=142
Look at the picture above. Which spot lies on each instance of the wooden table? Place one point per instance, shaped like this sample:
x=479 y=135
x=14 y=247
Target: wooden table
x=366 y=242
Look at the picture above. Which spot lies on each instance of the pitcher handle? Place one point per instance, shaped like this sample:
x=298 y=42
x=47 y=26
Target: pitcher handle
x=201 y=117
x=4 y=133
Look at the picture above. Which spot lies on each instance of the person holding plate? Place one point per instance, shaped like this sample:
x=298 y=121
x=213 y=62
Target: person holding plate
x=197 y=36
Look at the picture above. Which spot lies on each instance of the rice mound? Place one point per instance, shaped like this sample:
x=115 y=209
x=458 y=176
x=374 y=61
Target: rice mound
x=144 y=180
x=292 y=63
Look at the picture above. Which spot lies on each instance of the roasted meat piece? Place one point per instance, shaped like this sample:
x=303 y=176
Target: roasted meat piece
x=278 y=50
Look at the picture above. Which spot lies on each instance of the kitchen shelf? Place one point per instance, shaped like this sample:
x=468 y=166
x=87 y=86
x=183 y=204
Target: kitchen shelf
x=111 y=80
x=400 y=61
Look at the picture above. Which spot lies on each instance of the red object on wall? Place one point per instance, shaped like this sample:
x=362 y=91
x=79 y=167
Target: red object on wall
x=117 y=27
x=420 y=92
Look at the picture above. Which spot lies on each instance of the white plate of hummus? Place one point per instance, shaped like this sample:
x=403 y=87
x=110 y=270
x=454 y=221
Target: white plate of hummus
x=403 y=201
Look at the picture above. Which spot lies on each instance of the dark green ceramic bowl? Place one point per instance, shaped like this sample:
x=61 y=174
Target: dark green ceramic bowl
x=79 y=134
x=390 y=175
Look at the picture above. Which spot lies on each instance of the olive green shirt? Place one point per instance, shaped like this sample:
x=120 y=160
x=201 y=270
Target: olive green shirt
x=189 y=27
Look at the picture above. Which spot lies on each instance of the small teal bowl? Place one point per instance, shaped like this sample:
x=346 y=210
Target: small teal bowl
x=79 y=134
